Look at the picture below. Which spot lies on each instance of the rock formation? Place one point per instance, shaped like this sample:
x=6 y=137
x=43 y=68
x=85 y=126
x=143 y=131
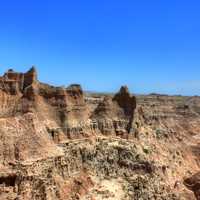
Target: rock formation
x=114 y=115
x=61 y=143
x=193 y=183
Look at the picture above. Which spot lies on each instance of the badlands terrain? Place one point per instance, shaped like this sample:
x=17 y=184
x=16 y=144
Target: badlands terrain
x=60 y=143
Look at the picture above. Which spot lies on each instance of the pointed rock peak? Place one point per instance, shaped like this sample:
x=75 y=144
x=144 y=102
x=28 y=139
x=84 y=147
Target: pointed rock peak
x=124 y=90
x=125 y=100
x=32 y=73
x=30 y=77
x=32 y=70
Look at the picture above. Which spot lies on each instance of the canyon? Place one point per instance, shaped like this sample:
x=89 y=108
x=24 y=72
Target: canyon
x=61 y=143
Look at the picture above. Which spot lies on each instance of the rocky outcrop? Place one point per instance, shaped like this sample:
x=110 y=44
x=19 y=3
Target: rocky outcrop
x=193 y=183
x=67 y=108
x=62 y=143
x=14 y=83
x=14 y=87
x=76 y=173
x=115 y=114
x=126 y=101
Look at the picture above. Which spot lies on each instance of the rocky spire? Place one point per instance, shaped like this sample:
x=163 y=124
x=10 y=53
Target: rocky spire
x=124 y=90
x=125 y=100
x=32 y=69
x=30 y=77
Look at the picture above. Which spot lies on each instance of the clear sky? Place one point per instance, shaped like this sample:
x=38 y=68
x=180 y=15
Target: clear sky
x=149 y=45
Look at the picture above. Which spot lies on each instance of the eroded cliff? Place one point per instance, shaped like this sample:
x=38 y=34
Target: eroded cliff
x=62 y=143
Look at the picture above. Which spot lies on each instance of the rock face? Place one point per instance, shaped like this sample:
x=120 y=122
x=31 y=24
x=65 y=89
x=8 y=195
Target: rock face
x=67 y=106
x=114 y=115
x=60 y=143
x=15 y=83
x=193 y=183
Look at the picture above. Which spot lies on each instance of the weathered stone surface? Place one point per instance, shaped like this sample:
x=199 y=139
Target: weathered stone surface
x=193 y=183
x=114 y=115
x=61 y=143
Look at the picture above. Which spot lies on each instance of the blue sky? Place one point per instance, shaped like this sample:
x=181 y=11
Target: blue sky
x=151 y=46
